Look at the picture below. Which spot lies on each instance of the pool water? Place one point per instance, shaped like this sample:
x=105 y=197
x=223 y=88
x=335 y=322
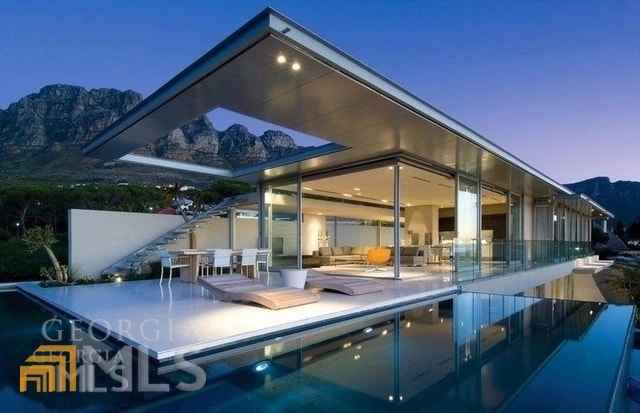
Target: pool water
x=463 y=353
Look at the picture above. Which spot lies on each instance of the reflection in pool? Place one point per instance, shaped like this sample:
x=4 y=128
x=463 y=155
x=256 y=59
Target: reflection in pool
x=468 y=352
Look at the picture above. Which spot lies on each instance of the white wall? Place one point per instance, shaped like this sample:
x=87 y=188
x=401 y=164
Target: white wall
x=422 y=219
x=311 y=226
x=246 y=234
x=287 y=230
x=357 y=235
x=213 y=234
x=98 y=239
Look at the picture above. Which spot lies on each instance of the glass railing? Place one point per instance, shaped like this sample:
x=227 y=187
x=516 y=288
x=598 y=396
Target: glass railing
x=501 y=257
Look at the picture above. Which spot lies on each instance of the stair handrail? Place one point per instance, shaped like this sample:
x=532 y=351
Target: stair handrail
x=133 y=261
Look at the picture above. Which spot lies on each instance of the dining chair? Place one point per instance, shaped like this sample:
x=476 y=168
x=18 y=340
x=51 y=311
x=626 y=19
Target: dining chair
x=222 y=260
x=248 y=259
x=206 y=262
x=262 y=258
x=167 y=261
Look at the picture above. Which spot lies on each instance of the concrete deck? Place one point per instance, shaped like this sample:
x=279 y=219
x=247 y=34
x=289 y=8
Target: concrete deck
x=184 y=319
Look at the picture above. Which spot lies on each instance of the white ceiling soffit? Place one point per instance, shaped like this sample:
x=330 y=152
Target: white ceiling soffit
x=332 y=96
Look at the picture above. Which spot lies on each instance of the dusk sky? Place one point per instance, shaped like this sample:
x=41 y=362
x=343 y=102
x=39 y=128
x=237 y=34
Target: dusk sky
x=555 y=83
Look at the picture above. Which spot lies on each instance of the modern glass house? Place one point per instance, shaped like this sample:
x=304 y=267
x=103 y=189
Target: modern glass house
x=393 y=171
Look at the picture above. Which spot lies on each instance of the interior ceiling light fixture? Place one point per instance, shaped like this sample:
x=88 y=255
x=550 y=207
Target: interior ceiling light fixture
x=295 y=66
x=281 y=59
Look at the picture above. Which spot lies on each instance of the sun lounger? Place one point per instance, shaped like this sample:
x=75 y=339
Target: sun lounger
x=346 y=285
x=235 y=287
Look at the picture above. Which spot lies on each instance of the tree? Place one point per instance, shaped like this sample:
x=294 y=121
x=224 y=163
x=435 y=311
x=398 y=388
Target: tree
x=43 y=237
x=633 y=232
x=597 y=235
x=172 y=196
x=619 y=229
x=18 y=200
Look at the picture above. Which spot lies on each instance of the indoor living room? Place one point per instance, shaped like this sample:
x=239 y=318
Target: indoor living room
x=345 y=215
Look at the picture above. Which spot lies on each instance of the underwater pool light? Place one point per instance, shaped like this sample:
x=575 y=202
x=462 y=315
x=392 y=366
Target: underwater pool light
x=261 y=366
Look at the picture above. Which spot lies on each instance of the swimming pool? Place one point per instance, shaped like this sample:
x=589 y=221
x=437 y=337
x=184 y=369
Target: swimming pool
x=468 y=352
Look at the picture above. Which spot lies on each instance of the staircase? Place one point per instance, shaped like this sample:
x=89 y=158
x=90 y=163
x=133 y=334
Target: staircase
x=134 y=263
x=615 y=243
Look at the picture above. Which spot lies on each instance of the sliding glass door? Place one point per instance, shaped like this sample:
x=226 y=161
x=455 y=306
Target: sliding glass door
x=466 y=256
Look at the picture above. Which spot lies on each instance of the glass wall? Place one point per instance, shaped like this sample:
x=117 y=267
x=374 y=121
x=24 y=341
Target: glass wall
x=515 y=251
x=444 y=224
x=515 y=217
x=466 y=255
x=493 y=234
x=281 y=224
x=346 y=214
x=427 y=200
x=543 y=230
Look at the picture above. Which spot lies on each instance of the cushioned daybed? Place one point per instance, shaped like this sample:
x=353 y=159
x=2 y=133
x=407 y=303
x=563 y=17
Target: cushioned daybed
x=346 y=285
x=235 y=287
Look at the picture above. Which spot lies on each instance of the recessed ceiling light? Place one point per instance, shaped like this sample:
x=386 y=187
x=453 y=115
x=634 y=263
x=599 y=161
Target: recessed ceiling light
x=356 y=189
x=306 y=188
x=409 y=205
x=384 y=200
x=295 y=66
x=359 y=193
x=281 y=59
x=347 y=195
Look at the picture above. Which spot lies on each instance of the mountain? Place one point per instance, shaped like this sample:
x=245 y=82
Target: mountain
x=622 y=198
x=42 y=134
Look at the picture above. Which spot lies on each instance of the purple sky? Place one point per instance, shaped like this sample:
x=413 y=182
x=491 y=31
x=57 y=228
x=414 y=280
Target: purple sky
x=555 y=83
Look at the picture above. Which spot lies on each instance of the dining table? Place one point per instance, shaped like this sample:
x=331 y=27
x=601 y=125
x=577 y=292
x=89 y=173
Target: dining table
x=190 y=274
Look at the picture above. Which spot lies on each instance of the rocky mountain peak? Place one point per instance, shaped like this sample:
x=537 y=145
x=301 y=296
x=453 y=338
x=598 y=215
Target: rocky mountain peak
x=48 y=128
x=621 y=197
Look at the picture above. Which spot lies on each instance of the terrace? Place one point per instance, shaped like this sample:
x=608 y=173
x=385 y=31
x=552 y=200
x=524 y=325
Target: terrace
x=183 y=318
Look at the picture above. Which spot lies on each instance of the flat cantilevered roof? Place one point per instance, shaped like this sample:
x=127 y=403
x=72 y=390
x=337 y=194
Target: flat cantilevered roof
x=331 y=96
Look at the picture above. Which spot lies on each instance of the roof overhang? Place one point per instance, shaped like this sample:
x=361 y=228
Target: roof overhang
x=584 y=204
x=332 y=96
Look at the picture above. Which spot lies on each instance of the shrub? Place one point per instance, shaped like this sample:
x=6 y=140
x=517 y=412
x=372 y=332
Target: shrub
x=38 y=238
x=630 y=283
x=17 y=264
x=5 y=235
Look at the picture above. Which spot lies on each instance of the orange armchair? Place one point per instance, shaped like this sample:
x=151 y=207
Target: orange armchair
x=378 y=256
